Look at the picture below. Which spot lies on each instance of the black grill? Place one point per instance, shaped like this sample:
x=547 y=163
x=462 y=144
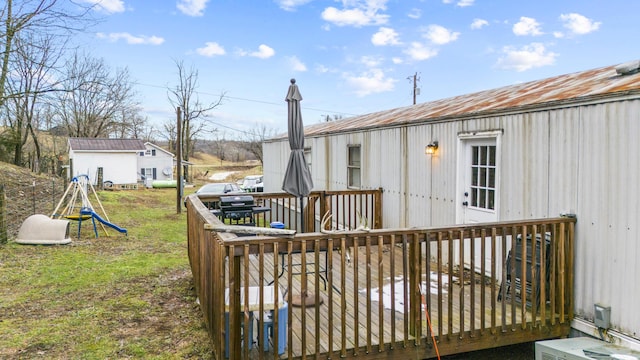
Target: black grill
x=237 y=208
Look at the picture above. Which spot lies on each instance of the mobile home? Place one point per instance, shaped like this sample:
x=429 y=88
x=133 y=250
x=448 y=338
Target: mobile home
x=563 y=145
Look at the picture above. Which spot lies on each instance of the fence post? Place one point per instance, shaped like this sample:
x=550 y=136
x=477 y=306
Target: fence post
x=324 y=207
x=33 y=197
x=377 y=222
x=3 y=221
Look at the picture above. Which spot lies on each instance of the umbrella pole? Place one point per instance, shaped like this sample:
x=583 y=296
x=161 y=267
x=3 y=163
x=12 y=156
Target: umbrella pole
x=301 y=215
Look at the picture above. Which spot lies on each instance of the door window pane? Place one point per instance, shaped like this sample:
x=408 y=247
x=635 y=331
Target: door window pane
x=483 y=176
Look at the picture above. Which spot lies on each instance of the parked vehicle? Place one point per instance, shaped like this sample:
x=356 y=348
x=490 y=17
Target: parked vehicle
x=253 y=183
x=218 y=189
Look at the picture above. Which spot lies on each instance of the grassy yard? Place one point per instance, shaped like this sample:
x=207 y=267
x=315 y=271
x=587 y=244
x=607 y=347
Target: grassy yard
x=111 y=297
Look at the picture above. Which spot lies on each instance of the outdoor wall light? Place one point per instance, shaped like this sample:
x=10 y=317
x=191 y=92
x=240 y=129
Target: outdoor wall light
x=431 y=148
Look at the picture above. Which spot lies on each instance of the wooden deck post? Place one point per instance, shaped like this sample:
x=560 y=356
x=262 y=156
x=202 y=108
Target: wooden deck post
x=325 y=206
x=235 y=321
x=377 y=222
x=415 y=298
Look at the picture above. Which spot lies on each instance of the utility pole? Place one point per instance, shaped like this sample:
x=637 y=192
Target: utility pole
x=179 y=161
x=416 y=89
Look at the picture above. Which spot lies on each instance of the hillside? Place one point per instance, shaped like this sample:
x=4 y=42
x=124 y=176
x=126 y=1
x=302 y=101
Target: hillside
x=27 y=193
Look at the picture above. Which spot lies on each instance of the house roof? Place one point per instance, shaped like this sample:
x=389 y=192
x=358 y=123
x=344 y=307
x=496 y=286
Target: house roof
x=106 y=145
x=159 y=148
x=563 y=90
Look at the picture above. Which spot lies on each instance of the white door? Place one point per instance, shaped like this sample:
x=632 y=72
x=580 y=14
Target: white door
x=479 y=193
x=479 y=185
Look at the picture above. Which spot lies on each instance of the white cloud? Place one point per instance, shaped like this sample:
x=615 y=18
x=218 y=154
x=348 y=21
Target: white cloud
x=479 y=23
x=417 y=51
x=397 y=60
x=415 y=13
x=192 y=7
x=460 y=3
x=440 y=35
x=322 y=69
x=290 y=5
x=385 y=36
x=527 y=26
x=211 y=49
x=357 y=13
x=130 y=39
x=465 y=3
x=578 y=24
x=108 y=6
x=264 y=52
x=371 y=61
x=371 y=82
x=558 y=34
x=296 y=64
x=528 y=57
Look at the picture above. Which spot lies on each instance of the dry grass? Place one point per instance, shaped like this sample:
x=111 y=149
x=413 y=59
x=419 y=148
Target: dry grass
x=116 y=296
x=205 y=165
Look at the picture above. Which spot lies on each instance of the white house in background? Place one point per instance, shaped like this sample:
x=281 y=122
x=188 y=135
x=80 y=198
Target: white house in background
x=567 y=144
x=155 y=163
x=119 y=161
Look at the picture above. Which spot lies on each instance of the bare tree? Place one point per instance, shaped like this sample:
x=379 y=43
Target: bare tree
x=30 y=76
x=169 y=134
x=254 y=138
x=219 y=146
x=98 y=99
x=194 y=113
x=32 y=19
x=130 y=123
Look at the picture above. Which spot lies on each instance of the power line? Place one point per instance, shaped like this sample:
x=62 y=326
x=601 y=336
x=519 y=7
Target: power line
x=253 y=100
x=230 y=128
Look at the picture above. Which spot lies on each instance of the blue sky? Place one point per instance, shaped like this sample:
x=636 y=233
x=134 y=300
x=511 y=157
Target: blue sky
x=351 y=57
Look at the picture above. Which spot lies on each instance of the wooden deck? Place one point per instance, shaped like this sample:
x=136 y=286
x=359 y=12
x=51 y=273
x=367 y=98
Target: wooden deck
x=356 y=319
x=372 y=317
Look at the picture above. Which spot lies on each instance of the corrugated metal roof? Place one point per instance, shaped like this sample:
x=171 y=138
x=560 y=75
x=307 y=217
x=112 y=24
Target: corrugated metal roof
x=96 y=144
x=563 y=89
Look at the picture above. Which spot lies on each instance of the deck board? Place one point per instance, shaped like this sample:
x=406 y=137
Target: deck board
x=366 y=322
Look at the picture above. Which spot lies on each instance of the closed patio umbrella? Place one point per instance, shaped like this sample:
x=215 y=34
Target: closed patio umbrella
x=297 y=179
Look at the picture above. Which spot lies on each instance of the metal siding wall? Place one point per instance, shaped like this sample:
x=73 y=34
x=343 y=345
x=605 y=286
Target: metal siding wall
x=274 y=164
x=338 y=160
x=444 y=185
x=419 y=179
x=607 y=250
x=318 y=161
x=564 y=137
x=524 y=166
x=386 y=171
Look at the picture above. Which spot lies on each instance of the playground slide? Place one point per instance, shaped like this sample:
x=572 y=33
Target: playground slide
x=97 y=217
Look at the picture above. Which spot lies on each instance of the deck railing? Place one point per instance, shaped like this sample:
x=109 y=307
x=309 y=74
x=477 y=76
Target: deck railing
x=348 y=209
x=381 y=293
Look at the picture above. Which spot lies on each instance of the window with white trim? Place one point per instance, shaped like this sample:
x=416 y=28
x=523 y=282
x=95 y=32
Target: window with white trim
x=353 y=166
x=148 y=173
